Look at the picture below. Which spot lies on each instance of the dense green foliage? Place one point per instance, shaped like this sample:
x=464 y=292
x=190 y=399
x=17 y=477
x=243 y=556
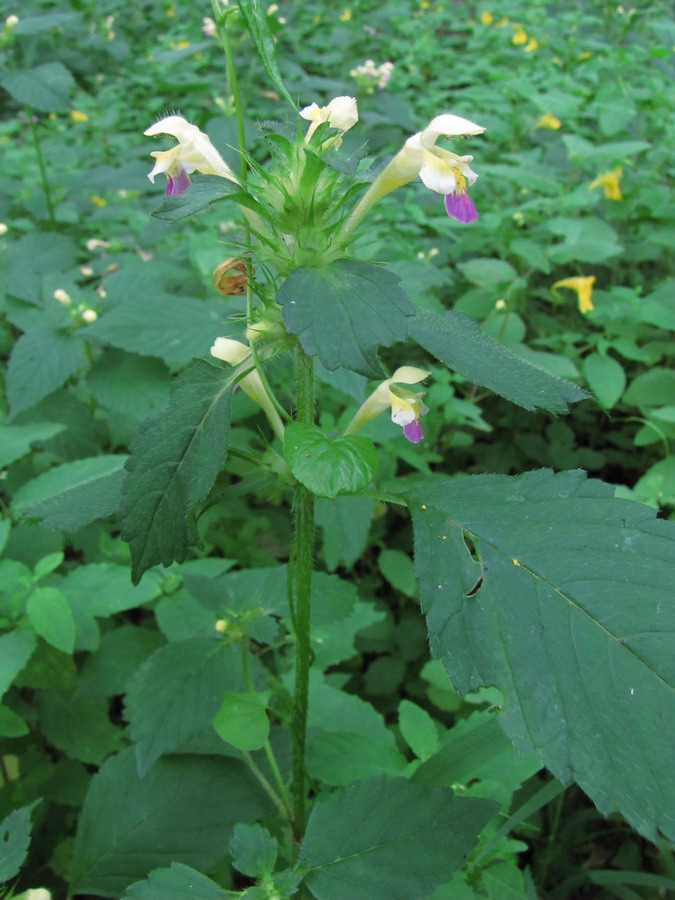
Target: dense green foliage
x=154 y=634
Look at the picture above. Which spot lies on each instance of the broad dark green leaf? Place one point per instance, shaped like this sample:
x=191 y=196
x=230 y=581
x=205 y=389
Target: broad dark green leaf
x=80 y=728
x=182 y=811
x=174 y=462
x=458 y=342
x=329 y=466
x=16 y=440
x=107 y=672
x=605 y=377
x=51 y=617
x=345 y=522
x=70 y=496
x=203 y=190
x=255 y=17
x=14 y=840
x=175 y=329
x=46 y=87
x=343 y=312
x=388 y=840
x=199 y=670
x=16 y=648
x=570 y=614
x=103 y=589
x=254 y=850
x=177 y=883
x=41 y=361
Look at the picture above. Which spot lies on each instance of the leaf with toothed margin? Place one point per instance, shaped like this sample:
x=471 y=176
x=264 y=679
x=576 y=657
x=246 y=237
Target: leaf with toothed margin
x=458 y=341
x=343 y=312
x=569 y=611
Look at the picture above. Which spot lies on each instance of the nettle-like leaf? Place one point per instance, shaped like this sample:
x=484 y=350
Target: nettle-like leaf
x=70 y=496
x=178 y=882
x=46 y=87
x=570 y=613
x=329 y=466
x=204 y=190
x=15 y=832
x=255 y=17
x=182 y=811
x=41 y=361
x=343 y=312
x=388 y=840
x=174 y=462
x=459 y=343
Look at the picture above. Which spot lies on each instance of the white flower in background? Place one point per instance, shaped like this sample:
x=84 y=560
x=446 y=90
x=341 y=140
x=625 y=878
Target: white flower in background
x=193 y=153
x=406 y=406
x=370 y=76
x=341 y=113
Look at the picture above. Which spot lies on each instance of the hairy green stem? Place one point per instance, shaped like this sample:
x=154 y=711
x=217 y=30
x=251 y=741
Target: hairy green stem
x=43 y=170
x=301 y=573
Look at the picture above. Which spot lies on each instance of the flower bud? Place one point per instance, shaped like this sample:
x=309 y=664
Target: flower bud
x=229 y=276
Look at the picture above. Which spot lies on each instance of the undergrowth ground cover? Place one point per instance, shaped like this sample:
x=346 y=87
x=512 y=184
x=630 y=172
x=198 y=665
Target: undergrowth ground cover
x=392 y=620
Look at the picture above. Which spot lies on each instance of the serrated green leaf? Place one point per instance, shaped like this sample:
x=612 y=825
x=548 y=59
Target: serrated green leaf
x=80 y=728
x=51 y=617
x=16 y=440
x=11 y=724
x=203 y=191
x=179 y=883
x=459 y=343
x=418 y=729
x=172 y=328
x=340 y=757
x=174 y=462
x=107 y=672
x=397 y=568
x=570 y=615
x=345 y=522
x=242 y=720
x=329 y=466
x=199 y=670
x=16 y=648
x=103 y=589
x=254 y=850
x=70 y=496
x=343 y=312
x=15 y=832
x=380 y=839
x=651 y=388
x=488 y=271
x=255 y=17
x=46 y=87
x=182 y=811
x=605 y=377
x=116 y=375
x=42 y=360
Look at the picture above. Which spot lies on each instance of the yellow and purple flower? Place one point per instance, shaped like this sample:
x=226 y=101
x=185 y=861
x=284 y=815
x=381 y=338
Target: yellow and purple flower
x=193 y=153
x=406 y=406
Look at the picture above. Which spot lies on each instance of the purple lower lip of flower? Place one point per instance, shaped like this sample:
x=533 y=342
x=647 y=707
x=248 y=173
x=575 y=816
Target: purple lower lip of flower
x=177 y=185
x=461 y=207
x=413 y=431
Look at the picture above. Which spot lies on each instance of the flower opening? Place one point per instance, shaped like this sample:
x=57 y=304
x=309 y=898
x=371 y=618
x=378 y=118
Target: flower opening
x=406 y=406
x=609 y=182
x=583 y=287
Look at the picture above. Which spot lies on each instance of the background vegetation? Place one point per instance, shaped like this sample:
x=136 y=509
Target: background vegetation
x=569 y=265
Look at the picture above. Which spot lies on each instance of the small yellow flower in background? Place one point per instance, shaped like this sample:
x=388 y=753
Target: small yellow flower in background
x=78 y=116
x=531 y=45
x=609 y=181
x=345 y=15
x=171 y=11
x=97 y=200
x=182 y=45
x=519 y=35
x=585 y=55
x=583 y=286
x=340 y=113
x=502 y=22
x=548 y=120
x=425 y=4
x=486 y=17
